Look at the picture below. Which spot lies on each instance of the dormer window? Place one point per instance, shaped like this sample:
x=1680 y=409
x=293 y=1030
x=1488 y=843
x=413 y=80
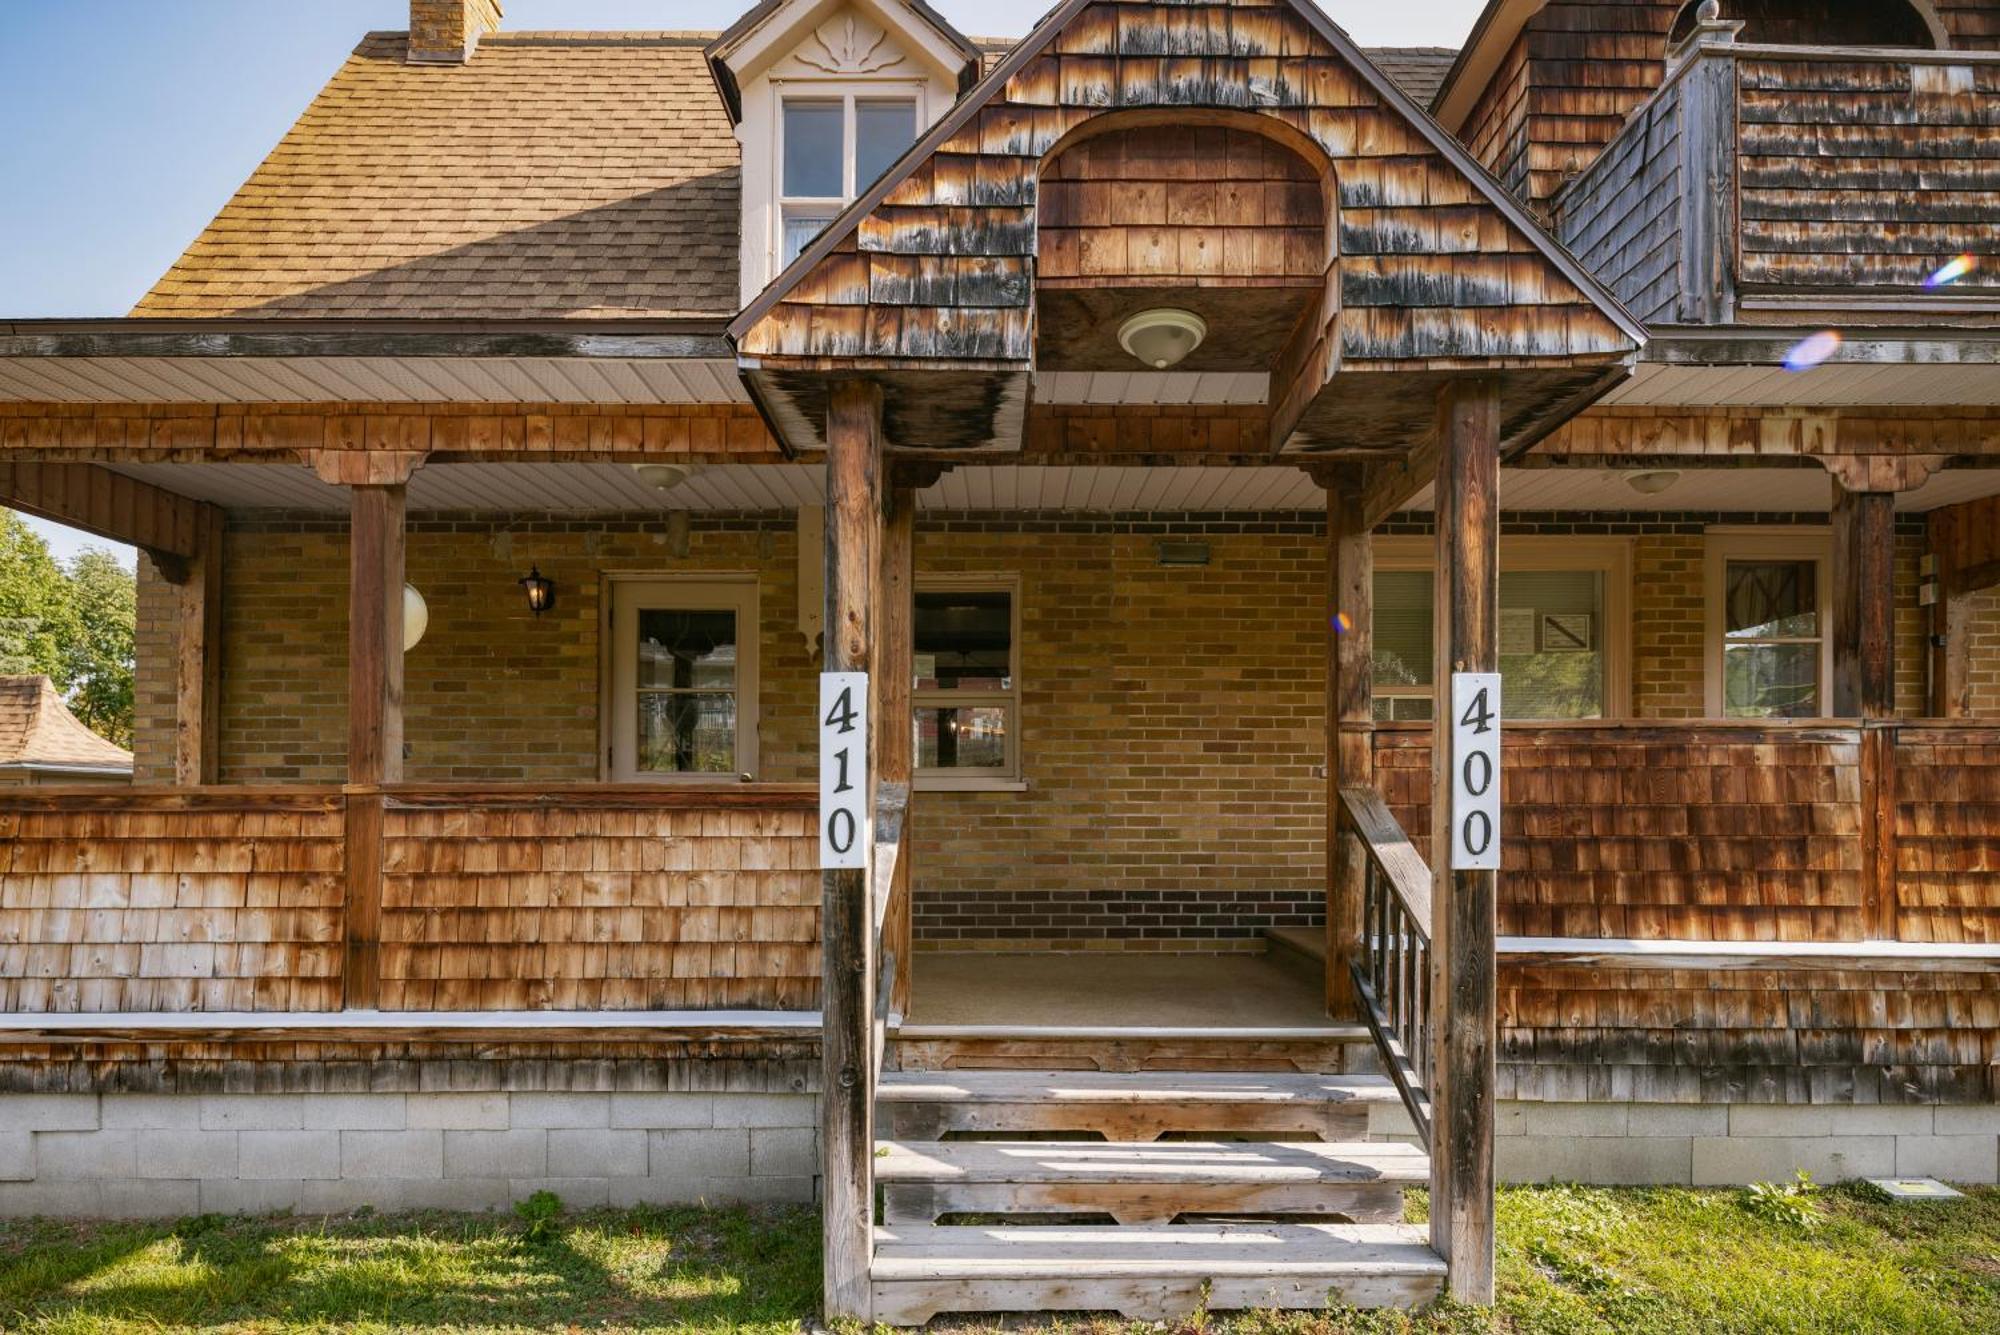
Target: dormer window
x=833 y=147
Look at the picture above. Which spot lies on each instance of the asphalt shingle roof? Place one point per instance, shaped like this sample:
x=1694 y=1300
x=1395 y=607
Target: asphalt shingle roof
x=36 y=728
x=555 y=175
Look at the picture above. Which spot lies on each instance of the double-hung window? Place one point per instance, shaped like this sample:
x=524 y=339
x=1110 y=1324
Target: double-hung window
x=1768 y=610
x=834 y=145
x=683 y=679
x=967 y=688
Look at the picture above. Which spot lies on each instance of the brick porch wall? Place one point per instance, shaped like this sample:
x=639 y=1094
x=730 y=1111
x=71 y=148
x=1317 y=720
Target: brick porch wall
x=1171 y=717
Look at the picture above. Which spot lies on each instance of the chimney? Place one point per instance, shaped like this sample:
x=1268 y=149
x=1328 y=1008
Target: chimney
x=444 y=32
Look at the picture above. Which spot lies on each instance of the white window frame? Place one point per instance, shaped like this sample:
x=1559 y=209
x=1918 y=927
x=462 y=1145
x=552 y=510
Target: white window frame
x=847 y=93
x=1609 y=556
x=1723 y=545
x=1004 y=780
x=623 y=596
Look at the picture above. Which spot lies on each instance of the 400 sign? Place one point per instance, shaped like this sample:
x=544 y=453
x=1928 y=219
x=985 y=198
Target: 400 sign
x=843 y=771
x=1475 y=771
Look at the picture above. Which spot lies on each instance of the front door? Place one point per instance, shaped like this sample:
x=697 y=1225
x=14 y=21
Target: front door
x=683 y=679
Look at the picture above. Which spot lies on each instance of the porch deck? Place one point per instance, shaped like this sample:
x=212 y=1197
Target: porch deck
x=1114 y=990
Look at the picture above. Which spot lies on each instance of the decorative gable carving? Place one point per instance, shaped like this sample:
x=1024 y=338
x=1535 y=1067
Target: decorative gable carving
x=850 y=45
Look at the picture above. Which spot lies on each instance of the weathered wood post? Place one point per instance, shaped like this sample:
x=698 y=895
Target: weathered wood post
x=374 y=718
x=1462 y=942
x=895 y=739
x=1350 y=720
x=854 y=510
x=198 y=658
x=1864 y=603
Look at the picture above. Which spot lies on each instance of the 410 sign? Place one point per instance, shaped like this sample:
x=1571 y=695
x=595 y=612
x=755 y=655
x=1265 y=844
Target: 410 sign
x=843 y=771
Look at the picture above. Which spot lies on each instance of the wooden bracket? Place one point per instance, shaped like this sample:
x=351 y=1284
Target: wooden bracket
x=364 y=468
x=916 y=474
x=1883 y=472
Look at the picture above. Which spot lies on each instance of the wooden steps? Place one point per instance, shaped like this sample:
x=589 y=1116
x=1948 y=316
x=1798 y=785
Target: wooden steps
x=1306 y=1048
x=1129 y=1106
x=1164 y=1257
x=1151 y=1183
x=1147 y=1274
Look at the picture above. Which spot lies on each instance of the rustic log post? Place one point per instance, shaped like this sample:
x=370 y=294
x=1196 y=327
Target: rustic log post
x=1463 y=913
x=1350 y=722
x=1864 y=603
x=374 y=719
x=854 y=509
x=198 y=657
x=895 y=739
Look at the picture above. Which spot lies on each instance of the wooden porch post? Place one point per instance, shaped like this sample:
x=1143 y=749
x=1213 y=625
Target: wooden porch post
x=1463 y=917
x=1950 y=620
x=198 y=657
x=1864 y=603
x=1350 y=722
x=854 y=485
x=895 y=742
x=374 y=718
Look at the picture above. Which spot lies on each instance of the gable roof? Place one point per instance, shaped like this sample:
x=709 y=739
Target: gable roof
x=724 y=46
x=555 y=175
x=37 y=731
x=841 y=232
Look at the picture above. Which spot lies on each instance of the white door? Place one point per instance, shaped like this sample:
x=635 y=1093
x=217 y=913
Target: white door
x=683 y=679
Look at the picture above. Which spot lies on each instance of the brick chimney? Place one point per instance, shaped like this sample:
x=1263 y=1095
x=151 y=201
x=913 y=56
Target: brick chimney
x=444 y=32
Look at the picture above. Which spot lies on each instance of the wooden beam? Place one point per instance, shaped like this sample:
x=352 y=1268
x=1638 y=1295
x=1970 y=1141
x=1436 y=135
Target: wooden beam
x=1864 y=604
x=1350 y=723
x=374 y=720
x=1392 y=485
x=854 y=482
x=895 y=734
x=1901 y=445
x=1463 y=918
x=165 y=525
x=198 y=658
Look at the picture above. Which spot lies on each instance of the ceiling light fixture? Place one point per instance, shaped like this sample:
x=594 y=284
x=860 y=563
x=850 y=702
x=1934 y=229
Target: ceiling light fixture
x=1653 y=483
x=662 y=477
x=1162 y=338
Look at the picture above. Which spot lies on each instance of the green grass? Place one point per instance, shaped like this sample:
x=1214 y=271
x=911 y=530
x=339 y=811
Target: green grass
x=1572 y=1260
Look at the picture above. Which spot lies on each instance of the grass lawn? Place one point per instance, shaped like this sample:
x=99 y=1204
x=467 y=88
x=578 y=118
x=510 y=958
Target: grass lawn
x=1572 y=1259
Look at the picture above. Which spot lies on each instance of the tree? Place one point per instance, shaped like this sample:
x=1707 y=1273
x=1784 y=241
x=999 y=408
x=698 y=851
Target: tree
x=74 y=626
x=36 y=615
x=99 y=655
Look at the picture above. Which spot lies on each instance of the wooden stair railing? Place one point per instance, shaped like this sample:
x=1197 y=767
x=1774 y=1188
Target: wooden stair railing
x=888 y=879
x=1392 y=970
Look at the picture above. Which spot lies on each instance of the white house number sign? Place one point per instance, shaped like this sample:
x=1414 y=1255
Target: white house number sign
x=843 y=770
x=1475 y=771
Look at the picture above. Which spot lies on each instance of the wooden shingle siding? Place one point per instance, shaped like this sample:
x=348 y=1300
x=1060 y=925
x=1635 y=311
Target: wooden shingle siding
x=1947 y=816
x=612 y=902
x=1425 y=261
x=1625 y=219
x=1865 y=173
x=1821 y=1036
x=1719 y=833
x=209 y=901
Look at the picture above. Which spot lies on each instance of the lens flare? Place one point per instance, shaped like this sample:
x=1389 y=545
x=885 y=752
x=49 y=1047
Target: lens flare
x=1813 y=351
x=1342 y=623
x=1962 y=267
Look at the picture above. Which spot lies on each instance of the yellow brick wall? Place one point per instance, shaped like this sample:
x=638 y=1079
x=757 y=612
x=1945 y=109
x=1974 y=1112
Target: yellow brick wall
x=1986 y=652
x=1668 y=626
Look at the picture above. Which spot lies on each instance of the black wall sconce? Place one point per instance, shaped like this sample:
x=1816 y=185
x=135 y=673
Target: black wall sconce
x=541 y=590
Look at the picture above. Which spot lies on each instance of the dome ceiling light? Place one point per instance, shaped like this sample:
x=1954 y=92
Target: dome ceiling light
x=1162 y=338
x=1653 y=483
x=662 y=477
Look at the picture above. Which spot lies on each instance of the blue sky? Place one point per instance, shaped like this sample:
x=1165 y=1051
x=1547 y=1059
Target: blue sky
x=128 y=123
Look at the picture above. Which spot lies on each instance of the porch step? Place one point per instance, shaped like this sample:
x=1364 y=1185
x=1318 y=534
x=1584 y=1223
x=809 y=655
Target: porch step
x=1130 y=1105
x=1147 y=1183
x=1158 y=1273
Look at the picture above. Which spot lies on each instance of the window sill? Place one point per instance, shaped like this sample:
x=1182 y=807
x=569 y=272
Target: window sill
x=970 y=783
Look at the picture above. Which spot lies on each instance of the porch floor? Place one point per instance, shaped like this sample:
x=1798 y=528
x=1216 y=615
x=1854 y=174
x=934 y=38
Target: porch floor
x=1114 y=990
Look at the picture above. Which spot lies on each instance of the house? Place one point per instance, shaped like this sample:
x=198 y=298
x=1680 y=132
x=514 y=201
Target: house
x=1172 y=411
x=42 y=743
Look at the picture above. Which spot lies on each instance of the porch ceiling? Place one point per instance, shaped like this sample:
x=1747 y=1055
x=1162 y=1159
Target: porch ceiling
x=1895 y=385
x=609 y=488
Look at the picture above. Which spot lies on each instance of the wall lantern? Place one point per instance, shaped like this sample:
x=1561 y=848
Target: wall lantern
x=416 y=617
x=1162 y=338
x=541 y=590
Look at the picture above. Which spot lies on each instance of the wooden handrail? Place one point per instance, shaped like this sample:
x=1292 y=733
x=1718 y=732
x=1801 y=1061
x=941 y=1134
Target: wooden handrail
x=892 y=804
x=1403 y=867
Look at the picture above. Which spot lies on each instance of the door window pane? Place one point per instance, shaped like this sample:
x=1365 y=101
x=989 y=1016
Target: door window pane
x=1552 y=644
x=815 y=152
x=686 y=677
x=964 y=641
x=687 y=732
x=883 y=131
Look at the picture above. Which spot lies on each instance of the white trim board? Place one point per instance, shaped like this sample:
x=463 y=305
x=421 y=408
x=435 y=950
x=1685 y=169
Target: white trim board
x=1625 y=953
x=658 y=1024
